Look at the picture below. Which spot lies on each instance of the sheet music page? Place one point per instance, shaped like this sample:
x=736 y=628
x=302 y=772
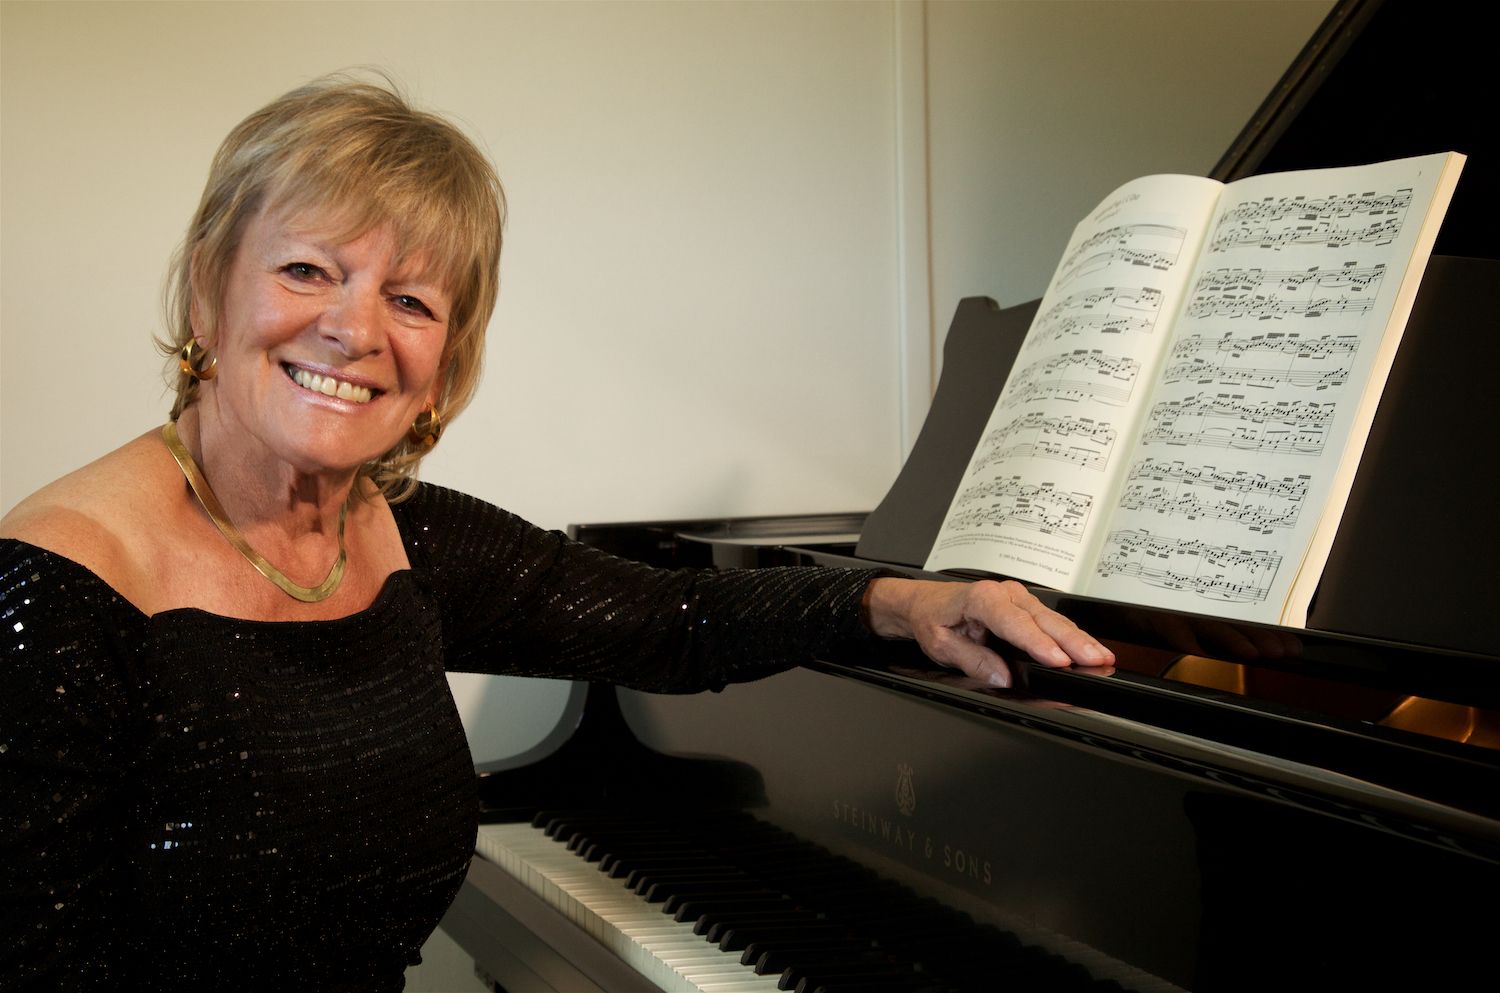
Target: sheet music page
x=1032 y=499
x=1275 y=364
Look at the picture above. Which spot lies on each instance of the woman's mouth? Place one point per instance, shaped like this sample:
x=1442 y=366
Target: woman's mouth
x=329 y=386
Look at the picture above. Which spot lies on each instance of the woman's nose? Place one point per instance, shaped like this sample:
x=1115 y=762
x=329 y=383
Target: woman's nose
x=354 y=324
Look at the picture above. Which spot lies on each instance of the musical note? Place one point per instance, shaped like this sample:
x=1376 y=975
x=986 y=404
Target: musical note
x=1226 y=420
x=1154 y=246
x=1013 y=503
x=1111 y=310
x=1079 y=440
x=1329 y=235
x=1278 y=294
x=1272 y=209
x=1214 y=572
x=1082 y=374
x=1351 y=276
x=1263 y=360
x=1176 y=489
x=1277 y=222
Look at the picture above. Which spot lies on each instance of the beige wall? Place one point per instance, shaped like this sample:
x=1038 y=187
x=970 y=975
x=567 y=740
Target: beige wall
x=1038 y=110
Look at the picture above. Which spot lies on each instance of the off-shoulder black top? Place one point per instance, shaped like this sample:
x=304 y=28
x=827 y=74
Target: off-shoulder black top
x=194 y=802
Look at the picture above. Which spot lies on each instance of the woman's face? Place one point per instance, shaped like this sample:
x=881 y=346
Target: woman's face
x=326 y=351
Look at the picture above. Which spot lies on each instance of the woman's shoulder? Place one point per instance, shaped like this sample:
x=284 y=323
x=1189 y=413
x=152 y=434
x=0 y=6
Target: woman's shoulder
x=99 y=516
x=452 y=534
x=437 y=513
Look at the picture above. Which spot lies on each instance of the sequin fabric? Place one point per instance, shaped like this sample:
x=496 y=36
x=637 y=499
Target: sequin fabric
x=194 y=802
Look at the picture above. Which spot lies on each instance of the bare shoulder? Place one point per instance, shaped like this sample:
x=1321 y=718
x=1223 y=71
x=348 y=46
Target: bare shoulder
x=100 y=516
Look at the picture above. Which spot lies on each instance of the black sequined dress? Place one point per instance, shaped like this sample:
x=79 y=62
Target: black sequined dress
x=194 y=802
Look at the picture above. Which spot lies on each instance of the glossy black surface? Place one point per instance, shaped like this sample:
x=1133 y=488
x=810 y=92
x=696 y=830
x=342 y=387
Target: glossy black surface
x=1150 y=828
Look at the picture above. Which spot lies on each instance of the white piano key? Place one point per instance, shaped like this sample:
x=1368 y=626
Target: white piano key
x=665 y=951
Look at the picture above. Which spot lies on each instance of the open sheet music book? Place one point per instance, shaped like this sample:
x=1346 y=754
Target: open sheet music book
x=1184 y=420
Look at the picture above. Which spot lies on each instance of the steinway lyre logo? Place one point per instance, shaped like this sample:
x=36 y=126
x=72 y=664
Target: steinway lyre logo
x=906 y=793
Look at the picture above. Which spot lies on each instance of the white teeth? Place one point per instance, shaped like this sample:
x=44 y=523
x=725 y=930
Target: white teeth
x=328 y=386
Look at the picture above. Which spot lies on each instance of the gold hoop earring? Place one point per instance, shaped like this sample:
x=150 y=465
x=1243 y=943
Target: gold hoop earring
x=426 y=429
x=190 y=361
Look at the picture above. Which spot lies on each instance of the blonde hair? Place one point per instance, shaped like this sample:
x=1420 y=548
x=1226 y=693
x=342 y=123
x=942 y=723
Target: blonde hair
x=358 y=155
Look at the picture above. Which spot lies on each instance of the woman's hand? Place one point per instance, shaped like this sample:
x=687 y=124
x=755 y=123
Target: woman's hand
x=951 y=620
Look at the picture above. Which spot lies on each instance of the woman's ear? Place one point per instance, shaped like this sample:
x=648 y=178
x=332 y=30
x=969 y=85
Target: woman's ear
x=439 y=388
x=198 y=310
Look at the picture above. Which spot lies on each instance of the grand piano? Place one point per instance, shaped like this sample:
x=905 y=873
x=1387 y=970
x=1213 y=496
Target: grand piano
x=1208 y=815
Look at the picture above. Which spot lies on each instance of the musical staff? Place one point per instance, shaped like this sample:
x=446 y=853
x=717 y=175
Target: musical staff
x=1154 y=246
x=1259 y=503
x=1329 y=235
x=1214 y=572
x=1082 y=374
x=1081 y=441
x=1224 y=420
x=1111 y=310
x=1335 y=221
x=1270 y=294
x=1014 y=503
x=1263 y=360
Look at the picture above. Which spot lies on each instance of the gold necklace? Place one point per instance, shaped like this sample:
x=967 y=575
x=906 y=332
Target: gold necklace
x=215 y=511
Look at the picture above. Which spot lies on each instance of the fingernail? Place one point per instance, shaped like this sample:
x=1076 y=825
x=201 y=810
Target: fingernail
x=1000 y=680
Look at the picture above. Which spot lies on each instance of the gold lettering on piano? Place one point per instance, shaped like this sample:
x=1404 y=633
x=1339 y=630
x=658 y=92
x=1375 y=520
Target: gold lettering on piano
x=906 y=793
x=966 y=864
x=922 y=850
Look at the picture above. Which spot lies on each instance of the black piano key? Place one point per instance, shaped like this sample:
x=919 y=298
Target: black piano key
x=644 y=880
x=763 y=942
x=625 y=868
x=727 y=886
x=782 y=957
x=693 y=909
x=638 y=842
x=872 y=977
x=736 y=939
x=713 y=926
x=691 y=906
x=615 y=857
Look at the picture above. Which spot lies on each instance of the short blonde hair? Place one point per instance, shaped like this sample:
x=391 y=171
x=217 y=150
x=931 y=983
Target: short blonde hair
x=358 y=155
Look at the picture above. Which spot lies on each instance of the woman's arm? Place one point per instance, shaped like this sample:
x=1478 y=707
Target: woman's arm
x=522 y=601
x=65 y=742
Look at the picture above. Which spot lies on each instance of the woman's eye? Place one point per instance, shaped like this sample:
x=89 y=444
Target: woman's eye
x=411 y=303
x=302 y=270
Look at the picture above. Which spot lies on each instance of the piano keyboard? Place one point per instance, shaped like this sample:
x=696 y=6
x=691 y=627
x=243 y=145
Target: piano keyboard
x=678 y=904
x=663 y=950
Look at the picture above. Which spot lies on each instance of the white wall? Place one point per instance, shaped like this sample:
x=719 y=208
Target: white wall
x=723 y=218
x=1038 y=110
x=699 y=257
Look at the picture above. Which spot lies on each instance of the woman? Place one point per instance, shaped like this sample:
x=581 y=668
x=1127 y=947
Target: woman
x=197 y=798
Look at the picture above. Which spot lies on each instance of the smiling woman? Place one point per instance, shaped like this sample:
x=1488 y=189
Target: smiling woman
x=334 y=163
x=193 y=798
x=327 y=350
